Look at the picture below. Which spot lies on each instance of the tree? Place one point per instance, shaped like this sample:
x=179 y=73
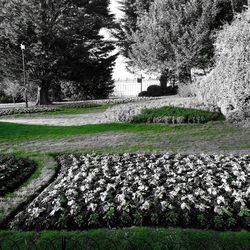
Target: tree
x=175 y=36
x=62 y=39
x=228 y=84
x=12 y=89
x=132 y=10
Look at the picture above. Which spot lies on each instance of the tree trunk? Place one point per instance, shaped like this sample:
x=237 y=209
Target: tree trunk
x=163 y=81
x=43 y=95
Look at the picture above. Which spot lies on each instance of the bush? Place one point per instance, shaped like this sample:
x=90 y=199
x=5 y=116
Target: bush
x=154 y=91
x=143 y=94
x=6 y=99
x=174 y=115
x=171 y=90
x=202 y=191
x=228 y=84
x=187 y=90
x=17 y=111
x=13 y=172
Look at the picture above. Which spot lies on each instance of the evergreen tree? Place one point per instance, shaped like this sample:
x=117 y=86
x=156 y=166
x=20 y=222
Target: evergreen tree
x=132 y=9
x=62 y=40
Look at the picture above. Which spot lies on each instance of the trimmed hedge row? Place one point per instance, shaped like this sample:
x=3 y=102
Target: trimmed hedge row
x=13 y=172
x=174 y=115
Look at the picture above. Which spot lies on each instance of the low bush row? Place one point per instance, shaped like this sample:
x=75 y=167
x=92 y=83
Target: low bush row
x=13 y=172
x=16 y=111
x=126 y=112
x=202 y=191
x=156 y=90
x=173 y=115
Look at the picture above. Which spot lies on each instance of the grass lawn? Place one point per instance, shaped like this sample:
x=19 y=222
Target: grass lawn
x=120 y=138
x=18 y=132
x=153 y=138
x=133 y=238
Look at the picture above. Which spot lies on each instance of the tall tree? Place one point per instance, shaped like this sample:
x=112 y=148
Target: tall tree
x=177 y=35
x=62 y=39
x=131 y=9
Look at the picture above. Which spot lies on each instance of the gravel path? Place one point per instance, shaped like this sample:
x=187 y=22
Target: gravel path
x=62 y=120
x=117 y=113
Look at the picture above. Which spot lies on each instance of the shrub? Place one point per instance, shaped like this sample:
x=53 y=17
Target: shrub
x=154 y=90
x=203 y=191
x=143 y=94
x=13 y=172
x=228 y=84
x=174 y=115
x=16 y=111
x=171 y=90
x=187 y=90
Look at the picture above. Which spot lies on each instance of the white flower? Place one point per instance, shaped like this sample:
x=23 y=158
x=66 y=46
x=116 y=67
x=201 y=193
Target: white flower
x=220 y=200
x=145 y=205
x=184 y=206
x=92 y=207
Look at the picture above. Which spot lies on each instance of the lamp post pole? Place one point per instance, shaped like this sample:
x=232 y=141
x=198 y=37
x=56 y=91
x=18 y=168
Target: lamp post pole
x=24 y=76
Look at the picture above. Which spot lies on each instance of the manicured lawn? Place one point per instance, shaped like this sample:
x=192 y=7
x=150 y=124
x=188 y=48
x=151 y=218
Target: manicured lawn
x=18 y=132
x=188 y=114
x=128 y=238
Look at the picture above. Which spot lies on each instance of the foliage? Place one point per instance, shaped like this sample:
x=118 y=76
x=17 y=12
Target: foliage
x=140 y=238
x=143 y=94
x=128 y=23
x=187 y=90
x=154 y=90
x=228 y=84
x=165 y=190
x=126 y=112
x=176 y=115
x=12 y=88
x=62 y=42
x=13 y=172
x=175 y=36
x=53 y=110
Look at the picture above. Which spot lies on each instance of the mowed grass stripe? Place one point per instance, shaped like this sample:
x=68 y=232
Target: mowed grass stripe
x=20 y=132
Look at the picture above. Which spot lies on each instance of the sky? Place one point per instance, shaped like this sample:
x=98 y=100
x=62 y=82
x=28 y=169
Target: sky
x=120 y=71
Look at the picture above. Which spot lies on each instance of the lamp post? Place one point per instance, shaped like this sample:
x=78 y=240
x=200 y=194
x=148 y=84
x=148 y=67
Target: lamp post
x=24 y=76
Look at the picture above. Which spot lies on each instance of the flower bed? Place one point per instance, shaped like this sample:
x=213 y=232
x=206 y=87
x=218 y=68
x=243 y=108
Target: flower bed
x=174 y=115
x=126 y=112
x=13 y=172
x=153 y=190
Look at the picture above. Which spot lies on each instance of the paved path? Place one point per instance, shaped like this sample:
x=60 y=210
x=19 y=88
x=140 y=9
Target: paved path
x=62 y=120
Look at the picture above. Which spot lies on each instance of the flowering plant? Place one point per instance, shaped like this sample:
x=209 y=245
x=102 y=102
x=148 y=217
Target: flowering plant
x=205 y=191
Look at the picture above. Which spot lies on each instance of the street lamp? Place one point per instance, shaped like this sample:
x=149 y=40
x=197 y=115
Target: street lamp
x=24 y=76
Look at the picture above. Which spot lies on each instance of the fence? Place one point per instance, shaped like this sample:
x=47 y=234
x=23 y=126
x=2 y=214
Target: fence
x=131 y=88
x=170 y=242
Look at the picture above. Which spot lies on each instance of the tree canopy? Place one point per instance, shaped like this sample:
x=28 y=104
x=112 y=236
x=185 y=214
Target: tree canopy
x=62 y=42
x=174 y=36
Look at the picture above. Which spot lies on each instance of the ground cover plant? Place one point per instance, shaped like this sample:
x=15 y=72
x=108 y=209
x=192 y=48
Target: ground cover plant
x=203 y=191
x=127 y=238
x=126 y=112
x=13 y=172
x=174 y=115
x=54 y=110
